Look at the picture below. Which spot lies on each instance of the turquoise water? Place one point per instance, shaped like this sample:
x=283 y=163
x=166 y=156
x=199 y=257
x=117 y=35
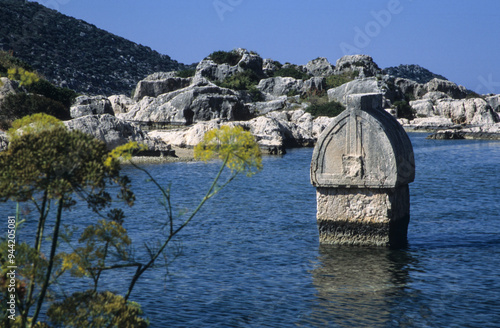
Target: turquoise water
x=251 y=258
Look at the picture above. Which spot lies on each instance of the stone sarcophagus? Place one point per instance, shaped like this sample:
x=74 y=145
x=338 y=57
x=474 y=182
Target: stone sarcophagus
x=361 y=166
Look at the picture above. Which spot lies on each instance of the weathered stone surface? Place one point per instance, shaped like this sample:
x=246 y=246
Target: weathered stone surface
x=371 y=135
x=427 y=123
x=466 y=111
x=274 y=132
x=116 y=132
x=202 y=101
x=319 y=67
x=91 y=105
x=4 y=142
x=264 y=107
x=151 y=87
x=487 y=132
x=280 y=86
x=358 y=86
x=121 y=103
x=357 y=63
x=7 y=87
x=207 y=68
x=361 y=166
x=494 y=102
x=355 y=216
x=446 y=87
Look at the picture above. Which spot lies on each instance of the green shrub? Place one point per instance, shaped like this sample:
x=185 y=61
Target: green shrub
x=185 y=73
x=225 y=57
x=404 y=109
x=334 y=81
x=241 y=80
x=255 y=93
x=8 y=61
x=44 y=88
x=15 y=106
x=291 y=71
x=330 y=109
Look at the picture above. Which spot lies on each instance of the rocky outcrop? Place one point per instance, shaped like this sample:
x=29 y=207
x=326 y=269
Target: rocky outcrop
x=366 y=85
x=91 y=105
x=473 y=111
x=319 y=67
x=274 y=132
x=288 y=86
x=121 y=103
x=209 y=69
x=412 y=72
x=8 y=87
x=494 y=102
x=201 y=101
x=363 y=64
x=487 y=132
x=427 y=123
x=115 y=132
x=447 y=87
x=159 y=83
x=417 y=91
x=4 y=142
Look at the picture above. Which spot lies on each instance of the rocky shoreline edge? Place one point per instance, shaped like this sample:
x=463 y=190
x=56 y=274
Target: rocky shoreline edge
x=170 y=114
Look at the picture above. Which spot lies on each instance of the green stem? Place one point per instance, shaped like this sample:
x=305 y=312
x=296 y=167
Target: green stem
x=38 y=243
x=212 y=191
x=53 y=248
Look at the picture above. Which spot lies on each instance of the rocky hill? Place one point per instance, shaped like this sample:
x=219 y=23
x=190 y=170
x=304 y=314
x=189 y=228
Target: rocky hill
x=413 y=72
x=74 y=54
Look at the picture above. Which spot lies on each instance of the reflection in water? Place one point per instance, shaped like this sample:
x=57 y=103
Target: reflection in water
x=358 y=286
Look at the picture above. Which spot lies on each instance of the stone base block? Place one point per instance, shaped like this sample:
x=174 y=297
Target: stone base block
x=372 y=217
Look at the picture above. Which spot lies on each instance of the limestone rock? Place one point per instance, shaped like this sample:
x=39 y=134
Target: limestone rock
x=494 y=102
x=427 y=123
x=121 y=103
x=91 y=105
x=487 y=132
x=466 y=111
x=269 y=66
x=447 y=87
x=115 y=132
x=209 y=69
x=435 y=89
x=319 y=67
x=423 y=108
x=202 y=101
x=264 y=107
x=157 y=84
x=286 y=86
x=8 y=86
x=274 y=132
x=4 y=142
x=357 y=63
x=366 y=85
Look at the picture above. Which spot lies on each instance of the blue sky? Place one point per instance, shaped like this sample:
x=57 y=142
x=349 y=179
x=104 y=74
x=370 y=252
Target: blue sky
x=458 y=39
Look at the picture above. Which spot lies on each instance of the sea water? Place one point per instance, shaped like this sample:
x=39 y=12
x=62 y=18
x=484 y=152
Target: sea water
x=251 y=256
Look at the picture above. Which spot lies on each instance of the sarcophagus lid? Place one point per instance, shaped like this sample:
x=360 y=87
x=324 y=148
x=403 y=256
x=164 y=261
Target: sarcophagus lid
x=364 y=147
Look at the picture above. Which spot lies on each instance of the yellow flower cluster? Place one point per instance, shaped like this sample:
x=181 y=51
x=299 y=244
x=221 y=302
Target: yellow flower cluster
x=23 y=76
x=236 y=147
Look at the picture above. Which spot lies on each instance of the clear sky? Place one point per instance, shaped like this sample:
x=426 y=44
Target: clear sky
x=458 y=39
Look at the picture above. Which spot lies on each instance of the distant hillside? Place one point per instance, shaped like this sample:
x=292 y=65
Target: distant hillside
x=75 y=54
x=413 y=72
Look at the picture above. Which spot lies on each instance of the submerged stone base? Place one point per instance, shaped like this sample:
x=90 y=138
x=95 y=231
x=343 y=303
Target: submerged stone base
x=373 y=217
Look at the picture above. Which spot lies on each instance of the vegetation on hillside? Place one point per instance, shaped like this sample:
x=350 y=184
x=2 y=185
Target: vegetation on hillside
x=74 y=54
x=40 y=96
